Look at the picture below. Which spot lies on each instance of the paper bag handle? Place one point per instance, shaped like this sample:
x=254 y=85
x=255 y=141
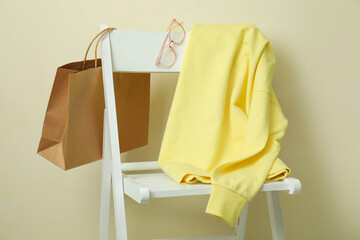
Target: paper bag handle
x=100 y=35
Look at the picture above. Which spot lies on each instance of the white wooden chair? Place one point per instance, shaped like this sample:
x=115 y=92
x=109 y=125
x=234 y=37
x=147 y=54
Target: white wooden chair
x=136 y=51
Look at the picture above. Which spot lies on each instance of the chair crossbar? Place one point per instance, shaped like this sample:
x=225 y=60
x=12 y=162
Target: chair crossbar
x=220 y=237
x=140 y=166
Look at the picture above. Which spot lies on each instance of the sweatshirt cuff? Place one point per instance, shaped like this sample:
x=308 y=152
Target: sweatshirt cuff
x=225 y=204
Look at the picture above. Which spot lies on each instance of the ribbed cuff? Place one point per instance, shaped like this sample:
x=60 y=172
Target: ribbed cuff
x=225 y=204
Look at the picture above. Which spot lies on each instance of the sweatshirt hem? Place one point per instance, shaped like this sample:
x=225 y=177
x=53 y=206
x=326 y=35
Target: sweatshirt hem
x=184 y=173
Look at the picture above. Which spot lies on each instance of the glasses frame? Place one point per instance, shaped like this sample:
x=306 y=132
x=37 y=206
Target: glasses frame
x=168 y=36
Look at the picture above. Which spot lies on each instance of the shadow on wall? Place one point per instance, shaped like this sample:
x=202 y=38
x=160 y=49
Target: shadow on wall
x=302 y=152
x=162 y=89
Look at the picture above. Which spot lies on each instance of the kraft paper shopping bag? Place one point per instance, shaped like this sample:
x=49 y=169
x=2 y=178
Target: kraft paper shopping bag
x=73 y=126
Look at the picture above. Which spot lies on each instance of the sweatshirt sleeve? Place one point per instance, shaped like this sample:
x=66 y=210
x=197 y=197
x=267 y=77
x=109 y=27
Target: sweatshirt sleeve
x=237 y=182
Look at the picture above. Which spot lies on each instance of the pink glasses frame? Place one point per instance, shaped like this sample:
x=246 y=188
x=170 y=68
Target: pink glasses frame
x=171 y=41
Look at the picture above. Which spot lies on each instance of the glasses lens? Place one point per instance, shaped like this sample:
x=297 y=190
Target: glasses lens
x=177 y=33
x=168 y=57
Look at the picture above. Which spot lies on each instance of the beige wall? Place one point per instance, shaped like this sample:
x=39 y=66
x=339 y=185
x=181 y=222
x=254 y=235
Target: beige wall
x=317 y=46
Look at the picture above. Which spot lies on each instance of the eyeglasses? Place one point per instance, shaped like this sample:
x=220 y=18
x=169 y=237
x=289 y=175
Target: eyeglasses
x=167 y=55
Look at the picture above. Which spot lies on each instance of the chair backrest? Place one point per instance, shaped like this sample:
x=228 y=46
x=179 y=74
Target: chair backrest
x=136 y=51
x=130 y=51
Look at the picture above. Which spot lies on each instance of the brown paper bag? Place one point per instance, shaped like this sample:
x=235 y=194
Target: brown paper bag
x=73 y=126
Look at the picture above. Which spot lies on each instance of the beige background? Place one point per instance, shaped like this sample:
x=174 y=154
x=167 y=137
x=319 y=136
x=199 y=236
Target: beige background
x=317 y=46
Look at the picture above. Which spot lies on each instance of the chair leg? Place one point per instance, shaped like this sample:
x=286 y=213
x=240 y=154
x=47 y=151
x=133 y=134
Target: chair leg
x=119 y=207
x=241 y=224
x=105 y=185
x=112 y=176
x=277 y=226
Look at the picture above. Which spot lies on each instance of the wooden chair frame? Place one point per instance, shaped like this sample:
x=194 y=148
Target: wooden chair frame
x=136 y=51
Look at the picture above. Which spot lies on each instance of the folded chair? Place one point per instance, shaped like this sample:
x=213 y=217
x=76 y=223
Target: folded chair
x=136 y=51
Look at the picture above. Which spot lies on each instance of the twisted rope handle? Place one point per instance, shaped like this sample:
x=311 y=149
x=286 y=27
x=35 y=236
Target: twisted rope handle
x=100 y=35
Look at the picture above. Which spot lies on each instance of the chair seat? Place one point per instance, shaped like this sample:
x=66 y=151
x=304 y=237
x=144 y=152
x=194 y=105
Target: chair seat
x=142 y=187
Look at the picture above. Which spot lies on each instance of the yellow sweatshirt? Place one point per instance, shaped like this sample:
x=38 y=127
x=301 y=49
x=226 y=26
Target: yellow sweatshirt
x=225 y=124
